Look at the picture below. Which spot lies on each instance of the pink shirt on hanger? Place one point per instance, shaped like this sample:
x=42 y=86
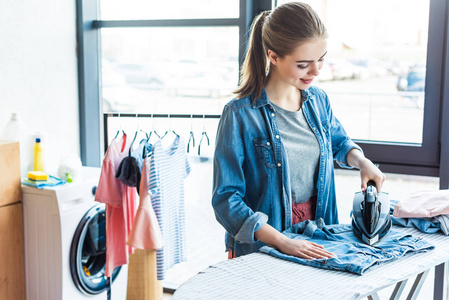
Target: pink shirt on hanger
x=145 y=233
x=120 y=205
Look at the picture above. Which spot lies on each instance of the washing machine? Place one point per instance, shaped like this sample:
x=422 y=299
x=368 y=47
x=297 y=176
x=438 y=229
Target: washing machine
x=65 y=242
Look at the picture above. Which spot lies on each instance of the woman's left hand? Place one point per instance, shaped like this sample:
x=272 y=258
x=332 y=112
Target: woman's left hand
x=368 y=171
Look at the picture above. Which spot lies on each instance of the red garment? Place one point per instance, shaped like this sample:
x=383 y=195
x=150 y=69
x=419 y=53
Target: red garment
x=304 y=211
x=120 y=203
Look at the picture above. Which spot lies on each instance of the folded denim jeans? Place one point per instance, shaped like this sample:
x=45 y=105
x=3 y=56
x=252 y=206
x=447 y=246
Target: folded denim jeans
x=351 y=255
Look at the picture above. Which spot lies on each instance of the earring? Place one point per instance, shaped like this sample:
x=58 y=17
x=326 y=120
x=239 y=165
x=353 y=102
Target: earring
x=268 y=70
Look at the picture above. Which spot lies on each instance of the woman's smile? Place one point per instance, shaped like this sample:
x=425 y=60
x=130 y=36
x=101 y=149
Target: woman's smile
x=306 y=81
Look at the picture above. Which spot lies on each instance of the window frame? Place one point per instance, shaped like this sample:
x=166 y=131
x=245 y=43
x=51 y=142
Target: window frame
x=421 y=159
x=429 y=159
x=90 y=104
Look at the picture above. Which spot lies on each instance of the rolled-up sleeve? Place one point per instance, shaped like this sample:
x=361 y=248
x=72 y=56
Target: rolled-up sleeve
x=229 y=185
x=251 y=225
x=341 y=143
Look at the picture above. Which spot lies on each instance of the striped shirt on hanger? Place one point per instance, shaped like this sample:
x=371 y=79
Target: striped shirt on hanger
x=168 y=169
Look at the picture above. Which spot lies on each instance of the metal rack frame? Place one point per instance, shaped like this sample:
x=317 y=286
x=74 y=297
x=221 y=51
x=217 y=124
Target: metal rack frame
x=106 y=116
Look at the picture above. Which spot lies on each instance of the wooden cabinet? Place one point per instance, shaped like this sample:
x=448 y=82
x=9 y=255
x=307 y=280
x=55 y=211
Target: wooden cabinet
x=10 y=190
x=12 y=268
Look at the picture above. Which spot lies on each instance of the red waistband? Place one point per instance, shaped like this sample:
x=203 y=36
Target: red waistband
x=304 y=211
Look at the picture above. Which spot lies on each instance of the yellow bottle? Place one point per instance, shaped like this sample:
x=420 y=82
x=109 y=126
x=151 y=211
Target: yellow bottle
x=38 y=156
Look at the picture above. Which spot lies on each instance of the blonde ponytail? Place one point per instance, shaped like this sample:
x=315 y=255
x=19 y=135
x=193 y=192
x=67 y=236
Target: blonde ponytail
x=253 y=73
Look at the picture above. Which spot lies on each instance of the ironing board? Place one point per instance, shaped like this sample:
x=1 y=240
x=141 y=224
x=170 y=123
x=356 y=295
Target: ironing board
x=262 y=276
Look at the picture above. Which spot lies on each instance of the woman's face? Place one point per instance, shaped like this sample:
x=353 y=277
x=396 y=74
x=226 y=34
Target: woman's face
x=303 y=65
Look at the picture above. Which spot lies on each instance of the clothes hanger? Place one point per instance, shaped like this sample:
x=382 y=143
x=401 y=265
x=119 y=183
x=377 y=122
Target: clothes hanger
x=140 y=129
x=135 y=135
x=144 y=152
x=120 y=127
x=132 y=143
x=203 y=134
x=169 y=129
x=147 y=143
x=152 y=129
x=191 y=137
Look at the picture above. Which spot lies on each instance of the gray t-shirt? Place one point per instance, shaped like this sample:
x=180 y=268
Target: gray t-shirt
x=303 y=152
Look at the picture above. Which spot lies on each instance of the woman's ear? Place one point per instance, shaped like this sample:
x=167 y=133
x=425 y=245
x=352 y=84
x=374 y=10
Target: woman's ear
x=273 y=57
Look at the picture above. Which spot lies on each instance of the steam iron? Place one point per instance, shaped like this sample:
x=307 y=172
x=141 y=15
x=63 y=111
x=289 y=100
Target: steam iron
x=371 y=220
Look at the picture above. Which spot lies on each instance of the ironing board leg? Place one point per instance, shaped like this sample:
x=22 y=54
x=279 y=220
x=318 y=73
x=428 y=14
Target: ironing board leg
x=373 y=296
x=439 y=281
x=398 y=290
x=416 y=288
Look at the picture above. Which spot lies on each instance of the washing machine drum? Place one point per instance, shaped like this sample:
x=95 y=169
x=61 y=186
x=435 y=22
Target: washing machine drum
x=88 y=252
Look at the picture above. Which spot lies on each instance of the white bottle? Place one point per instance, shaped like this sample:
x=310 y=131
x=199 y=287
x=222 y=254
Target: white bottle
x=15 y=130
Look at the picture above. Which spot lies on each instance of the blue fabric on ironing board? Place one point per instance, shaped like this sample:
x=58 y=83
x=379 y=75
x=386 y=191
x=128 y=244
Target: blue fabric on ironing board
x=352 y=255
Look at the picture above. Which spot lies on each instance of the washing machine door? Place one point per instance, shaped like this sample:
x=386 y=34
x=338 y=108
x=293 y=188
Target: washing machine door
x=88 y=252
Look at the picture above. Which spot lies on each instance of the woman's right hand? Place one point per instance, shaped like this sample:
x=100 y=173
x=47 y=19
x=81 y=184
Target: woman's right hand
x=304 y=249
x=298 y=248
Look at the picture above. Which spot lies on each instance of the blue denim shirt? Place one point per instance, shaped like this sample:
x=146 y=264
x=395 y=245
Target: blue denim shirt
x=251 y=183
x=351 y=255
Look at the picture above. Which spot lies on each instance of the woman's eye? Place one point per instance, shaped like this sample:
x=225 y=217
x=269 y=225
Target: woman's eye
x=302 y=67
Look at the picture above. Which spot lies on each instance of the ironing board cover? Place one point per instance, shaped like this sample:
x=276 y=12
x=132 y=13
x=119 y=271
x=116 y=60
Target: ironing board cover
x=261 y=276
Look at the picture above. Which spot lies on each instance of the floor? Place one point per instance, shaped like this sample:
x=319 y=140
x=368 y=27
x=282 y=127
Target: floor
x=205 y=235
x=166 y=296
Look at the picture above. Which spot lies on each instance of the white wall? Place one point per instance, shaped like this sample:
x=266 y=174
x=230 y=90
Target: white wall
x=38 y=71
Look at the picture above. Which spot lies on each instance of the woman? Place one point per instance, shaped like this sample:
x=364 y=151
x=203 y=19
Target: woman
x=277 y=140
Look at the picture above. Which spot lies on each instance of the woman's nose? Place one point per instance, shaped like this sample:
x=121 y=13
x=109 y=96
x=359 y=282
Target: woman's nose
x=314 y=70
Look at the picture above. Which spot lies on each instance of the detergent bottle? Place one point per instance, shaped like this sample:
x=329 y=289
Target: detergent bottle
x=38 y=156
x=16 y=130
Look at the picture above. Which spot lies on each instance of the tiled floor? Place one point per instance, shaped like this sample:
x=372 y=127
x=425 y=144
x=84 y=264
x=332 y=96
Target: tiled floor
x=205 y=235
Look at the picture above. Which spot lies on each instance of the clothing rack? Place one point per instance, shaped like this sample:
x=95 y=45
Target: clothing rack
x=106 y=116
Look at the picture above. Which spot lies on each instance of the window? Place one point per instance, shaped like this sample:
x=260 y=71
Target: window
x=375 y=71
x=173 y=70
x=383 y=74
x=173 y=9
